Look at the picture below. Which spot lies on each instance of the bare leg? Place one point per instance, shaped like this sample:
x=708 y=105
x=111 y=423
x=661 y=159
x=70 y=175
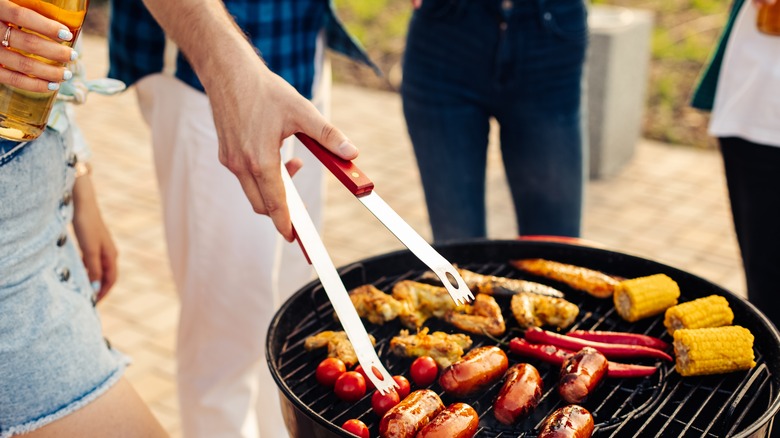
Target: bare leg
x=118 y=413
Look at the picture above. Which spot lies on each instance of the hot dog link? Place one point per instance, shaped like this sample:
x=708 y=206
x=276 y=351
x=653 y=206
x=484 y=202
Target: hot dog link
x=570 y=421
x=477 y=369
x=457 y=420
x=406 y=418
x=581 y=373
x=520 y=394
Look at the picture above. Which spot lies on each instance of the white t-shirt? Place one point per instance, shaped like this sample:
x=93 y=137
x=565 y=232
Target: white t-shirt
x=747 y=99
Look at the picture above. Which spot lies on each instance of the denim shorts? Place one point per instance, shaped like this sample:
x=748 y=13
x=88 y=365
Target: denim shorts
x=53 y=357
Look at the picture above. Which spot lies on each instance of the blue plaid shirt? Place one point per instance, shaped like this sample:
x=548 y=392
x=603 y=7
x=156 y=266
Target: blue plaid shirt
x=284 y=31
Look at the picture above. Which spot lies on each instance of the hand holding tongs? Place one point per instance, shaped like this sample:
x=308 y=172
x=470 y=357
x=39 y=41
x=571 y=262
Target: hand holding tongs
x=356 y=182
x=315 y=252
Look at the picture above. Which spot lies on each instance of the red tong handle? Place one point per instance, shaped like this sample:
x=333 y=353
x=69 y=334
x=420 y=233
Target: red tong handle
x=344 y=170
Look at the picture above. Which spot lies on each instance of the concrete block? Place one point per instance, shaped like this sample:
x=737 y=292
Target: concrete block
x=616 y=76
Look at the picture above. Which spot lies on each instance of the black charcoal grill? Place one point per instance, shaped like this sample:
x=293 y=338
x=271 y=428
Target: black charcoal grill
x=740 y=404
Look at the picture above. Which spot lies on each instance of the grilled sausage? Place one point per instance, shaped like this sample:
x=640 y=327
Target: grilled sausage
x=475 y=370
x=457 y=420
x=520 y=394
x=406 y=418
x=581 y=373
x=570 y=421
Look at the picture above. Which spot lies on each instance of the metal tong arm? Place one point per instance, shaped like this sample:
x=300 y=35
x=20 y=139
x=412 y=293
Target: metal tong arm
x=359 y=185
x=309 y=239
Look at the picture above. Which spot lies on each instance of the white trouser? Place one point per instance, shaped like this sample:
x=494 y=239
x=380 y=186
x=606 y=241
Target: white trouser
x=231 y=267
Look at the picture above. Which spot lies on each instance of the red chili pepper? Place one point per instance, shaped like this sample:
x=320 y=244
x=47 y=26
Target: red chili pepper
x=622 y=370
x=546 y=353
x=556 y=356
x=620 y=338
x=539 y=336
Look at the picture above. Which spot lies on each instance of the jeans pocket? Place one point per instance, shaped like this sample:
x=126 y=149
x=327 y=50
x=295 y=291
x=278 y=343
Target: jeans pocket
x=9 y=150
x=440 y=8
x=567 y=19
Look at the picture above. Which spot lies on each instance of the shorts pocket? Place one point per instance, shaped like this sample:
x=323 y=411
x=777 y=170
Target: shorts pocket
x=10 y=150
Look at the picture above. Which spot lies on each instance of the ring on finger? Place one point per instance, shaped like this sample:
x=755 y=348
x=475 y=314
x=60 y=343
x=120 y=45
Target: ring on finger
x=6 y=42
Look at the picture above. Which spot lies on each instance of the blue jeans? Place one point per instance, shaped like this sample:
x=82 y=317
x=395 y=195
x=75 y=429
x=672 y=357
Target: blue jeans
x=521 y=63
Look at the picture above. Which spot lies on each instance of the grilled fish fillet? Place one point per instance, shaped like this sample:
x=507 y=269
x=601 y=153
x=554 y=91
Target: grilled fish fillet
x=338 y=345
x=484 y=316
x=375 y=305
x=421 y=301
x=444 y=348
x=532 y=310
x=493 y=285
x=595 y=283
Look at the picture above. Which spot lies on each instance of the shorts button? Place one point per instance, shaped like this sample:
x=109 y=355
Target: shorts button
x=72 y=159
x=64 y=274
x=62 y=239
x=66 y=198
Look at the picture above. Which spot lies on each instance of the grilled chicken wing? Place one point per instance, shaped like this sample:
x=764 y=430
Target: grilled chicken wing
x=338 y=345
x=421 y=302
x=595 y=283
x=484 y=316
x=532 y=310
x=493 y=285
x=444 y=348
x=375 y=305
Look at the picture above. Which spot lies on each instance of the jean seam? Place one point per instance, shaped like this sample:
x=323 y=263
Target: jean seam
x=11 y=154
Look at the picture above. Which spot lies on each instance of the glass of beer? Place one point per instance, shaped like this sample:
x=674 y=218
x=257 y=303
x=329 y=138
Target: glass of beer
x=769 y=18
x=23 y=114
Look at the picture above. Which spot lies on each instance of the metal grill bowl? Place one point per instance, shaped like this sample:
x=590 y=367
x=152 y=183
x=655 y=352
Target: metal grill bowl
x=740 y=404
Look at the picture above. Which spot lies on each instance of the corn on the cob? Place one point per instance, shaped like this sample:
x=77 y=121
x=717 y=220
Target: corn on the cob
x=711 y=311
x=643 y=297
x=713 y=350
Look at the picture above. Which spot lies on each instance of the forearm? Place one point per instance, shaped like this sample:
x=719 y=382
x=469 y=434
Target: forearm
x=209 y=37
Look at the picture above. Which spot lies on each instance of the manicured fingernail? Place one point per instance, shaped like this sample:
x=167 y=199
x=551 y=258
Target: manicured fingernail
x=347 y=149
x=64 y=35
x=53 y=86
x=67 y=75
x=74 y=55
x=96 y=285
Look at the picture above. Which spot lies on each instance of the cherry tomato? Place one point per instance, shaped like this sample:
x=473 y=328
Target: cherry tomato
x=350 y=386
x=356 y=427
x=424 y=371
x=369 y=384
x=403 y=386
x=382 y=403
x=329 y=370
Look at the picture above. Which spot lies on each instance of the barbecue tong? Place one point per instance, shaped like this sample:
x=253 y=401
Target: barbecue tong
x=314 y=250
x=359 y=185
